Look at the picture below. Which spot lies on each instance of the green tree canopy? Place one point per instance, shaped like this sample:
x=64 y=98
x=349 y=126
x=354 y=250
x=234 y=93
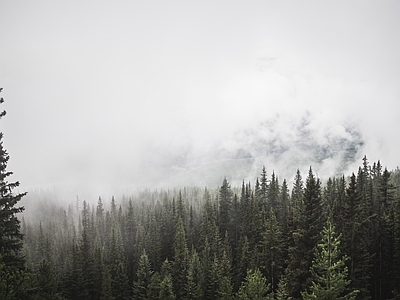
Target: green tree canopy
x=329 y=272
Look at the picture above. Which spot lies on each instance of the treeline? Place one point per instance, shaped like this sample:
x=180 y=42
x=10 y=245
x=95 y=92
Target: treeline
x=339 y=240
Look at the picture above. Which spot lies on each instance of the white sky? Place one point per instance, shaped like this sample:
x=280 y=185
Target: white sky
x=92 y=87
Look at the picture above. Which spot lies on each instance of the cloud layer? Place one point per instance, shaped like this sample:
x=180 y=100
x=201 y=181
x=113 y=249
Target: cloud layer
x=101 y=95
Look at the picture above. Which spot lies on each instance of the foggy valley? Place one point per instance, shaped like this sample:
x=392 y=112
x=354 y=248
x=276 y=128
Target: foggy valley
x=199 y=150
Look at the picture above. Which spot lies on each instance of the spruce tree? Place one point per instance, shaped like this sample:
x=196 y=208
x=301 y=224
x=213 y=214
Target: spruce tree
x=10 y=235
x=329 y=275
x=180 y=262
x=254 y=287
x=225 y=207
x=307 y=226
x=273 y=194
x=193 y=284
x=12 y=281
x=166 y=289
x=143 y=275
x=355 y=239
x=282 y=292
x=263 y=187
x=272 y=257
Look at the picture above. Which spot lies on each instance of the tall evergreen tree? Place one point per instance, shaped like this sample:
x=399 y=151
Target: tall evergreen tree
x=264 y=187
x=396 y=246
x=180 y=262
x=143 y=278
x=254 y=287
x=356 y=239
x=117 y=264
x=45 y=283
x=10 y=228
x=166 y=289
x=86 y=261
x=12 y=282
x=193 y=284
x=272 y=261
x=328 y=271
x=305 y=235
x=225 y=207
x=273 y=194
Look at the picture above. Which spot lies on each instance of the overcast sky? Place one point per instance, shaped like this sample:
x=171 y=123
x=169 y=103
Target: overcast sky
x=92 y=87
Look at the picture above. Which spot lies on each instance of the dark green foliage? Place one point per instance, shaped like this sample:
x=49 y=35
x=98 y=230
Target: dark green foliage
x=166 y=289
x=273 y=195
x=45 y=283
x=12 y=272
x=10 y=235
x=328 y=271
x=273 y=252
x=254 y=287
x=180 y=262
x=225 y=207
x=141 y=287
x=140 y=248
x=307 y=227
x=193 y=283
x=356 y=237
x=12 y=281
x=282 y=292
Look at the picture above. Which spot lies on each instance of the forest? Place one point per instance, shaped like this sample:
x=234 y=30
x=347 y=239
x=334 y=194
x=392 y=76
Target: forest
x=332 y=239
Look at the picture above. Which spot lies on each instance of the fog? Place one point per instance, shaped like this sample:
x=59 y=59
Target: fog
x=105 y=97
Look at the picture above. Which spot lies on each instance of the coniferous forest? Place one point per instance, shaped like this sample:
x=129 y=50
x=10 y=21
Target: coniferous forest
x=332 y=239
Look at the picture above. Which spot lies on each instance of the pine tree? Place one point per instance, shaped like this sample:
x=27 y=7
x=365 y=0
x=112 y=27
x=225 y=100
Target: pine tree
x=263 y=187
x=225 y=287
x=129 y=242
x=396 y=246
x=282 y=292
x=166 y=289
x=12 y=281
x=307 y=226
x=355 y=239
x=296 y=199
x=329 y=272
x=180 y=262
x=10 y=235
x=272 y=261
x=208 y=274
x=86 y=260
x=45 y=282
x=143 y=275
x=254 y=287
x=117 y=264
x=283 y=216
x=225 y=207
x=273 y=194
x=193 y=283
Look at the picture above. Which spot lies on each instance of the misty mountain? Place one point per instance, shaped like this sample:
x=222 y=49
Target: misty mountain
x=282 y=144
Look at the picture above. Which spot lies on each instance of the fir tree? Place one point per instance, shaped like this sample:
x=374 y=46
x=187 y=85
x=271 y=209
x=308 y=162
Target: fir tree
x=143 y=275
x=272 y=261
x=329 y=272
x=10 y=235
x=193 y=283
x=225 y=207
x=166 y=289
x=355 y=239
x=45 y=283
x=254 y=287
x=308 y=225
x=12 y=282
x=263 y=187
x=180 y=262
x=282 y=292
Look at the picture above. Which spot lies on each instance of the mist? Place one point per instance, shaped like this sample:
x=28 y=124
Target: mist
x=105 y=98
